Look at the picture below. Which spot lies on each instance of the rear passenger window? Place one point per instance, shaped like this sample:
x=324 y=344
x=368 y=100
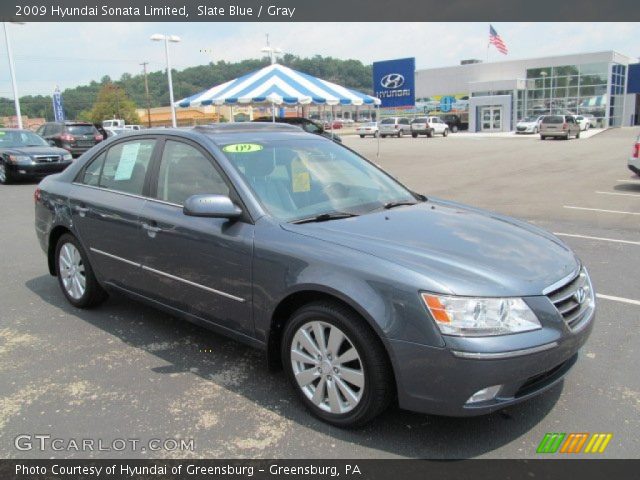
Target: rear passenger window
x=92 y=172
x=125 y=166
x=185 y=171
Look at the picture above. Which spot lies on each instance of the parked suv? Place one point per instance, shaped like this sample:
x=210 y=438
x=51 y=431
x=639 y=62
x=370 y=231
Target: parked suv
x=559 y=126
x=365 y=292
x=429 y=126
x=74 y=137
x=394 y=126
x=634 y=160
x=455 y=122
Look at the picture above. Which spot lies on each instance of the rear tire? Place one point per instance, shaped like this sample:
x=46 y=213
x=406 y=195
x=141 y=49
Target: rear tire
x=361 y=136
x=360 y=404
x=578 y=135
x=430 y=133
x=383 y=136
x=542 y=137
x=414 y=135
x=454 y=129
x=375 y=135
x=400 y=133
x=75 y=275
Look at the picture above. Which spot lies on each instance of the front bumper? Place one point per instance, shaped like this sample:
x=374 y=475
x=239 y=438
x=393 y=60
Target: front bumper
x=435 y=381
x=531 y=129
x=37 y=169
x=634 y=165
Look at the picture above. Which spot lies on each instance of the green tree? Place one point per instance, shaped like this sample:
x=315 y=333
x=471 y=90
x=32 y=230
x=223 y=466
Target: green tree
x=113 y=102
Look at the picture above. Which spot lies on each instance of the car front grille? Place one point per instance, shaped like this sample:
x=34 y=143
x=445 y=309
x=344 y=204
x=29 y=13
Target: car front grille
x=574 y=300
x=521 y=129
x=46 y=158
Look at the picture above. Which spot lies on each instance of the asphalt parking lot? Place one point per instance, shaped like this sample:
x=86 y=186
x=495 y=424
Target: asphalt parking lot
x=128 y=371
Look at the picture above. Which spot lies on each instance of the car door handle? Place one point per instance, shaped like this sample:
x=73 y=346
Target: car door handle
x=82 y=211
x=151 y=229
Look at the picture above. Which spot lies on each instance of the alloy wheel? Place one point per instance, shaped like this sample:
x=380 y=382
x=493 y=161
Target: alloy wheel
x=72 y=271
x=327 y=367
x=3 y=173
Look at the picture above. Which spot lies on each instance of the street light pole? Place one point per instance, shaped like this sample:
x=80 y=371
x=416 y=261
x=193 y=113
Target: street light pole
x=146 y=93
x=175 y=39
x=16 y=99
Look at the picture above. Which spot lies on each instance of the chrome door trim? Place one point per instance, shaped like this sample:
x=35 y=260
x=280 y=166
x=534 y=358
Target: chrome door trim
x=193 y=284
x=115 y=257
x=126 y=194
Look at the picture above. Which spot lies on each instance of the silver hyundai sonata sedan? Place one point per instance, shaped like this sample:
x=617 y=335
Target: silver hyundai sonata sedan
x=363 y=291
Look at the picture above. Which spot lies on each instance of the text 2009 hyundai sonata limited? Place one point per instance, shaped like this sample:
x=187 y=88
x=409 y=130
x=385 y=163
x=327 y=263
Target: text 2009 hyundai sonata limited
x=364 y=291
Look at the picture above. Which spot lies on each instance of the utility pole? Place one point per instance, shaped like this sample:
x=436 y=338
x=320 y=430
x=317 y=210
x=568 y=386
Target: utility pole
x=146 y=92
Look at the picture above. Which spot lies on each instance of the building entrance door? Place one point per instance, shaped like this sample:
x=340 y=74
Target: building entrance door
x=491 y=119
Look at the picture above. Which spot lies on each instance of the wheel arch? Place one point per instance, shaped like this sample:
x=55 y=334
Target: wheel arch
x=307 y=294
x=54 y=236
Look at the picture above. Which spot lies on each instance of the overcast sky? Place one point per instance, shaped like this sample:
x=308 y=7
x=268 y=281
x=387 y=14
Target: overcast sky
x=69 y=54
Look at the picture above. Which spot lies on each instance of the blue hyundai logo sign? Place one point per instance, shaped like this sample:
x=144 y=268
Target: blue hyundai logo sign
x=394 y=82
x=446 y=103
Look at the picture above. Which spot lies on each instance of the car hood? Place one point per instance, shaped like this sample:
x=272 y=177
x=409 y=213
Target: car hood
x=39 y=150
x=459 y=250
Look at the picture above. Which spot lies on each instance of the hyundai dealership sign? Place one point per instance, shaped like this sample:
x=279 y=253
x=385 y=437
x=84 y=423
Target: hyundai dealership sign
x=394 y=82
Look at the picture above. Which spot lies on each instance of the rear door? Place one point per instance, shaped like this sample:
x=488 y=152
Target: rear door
x=198 y=265
x=106 y=201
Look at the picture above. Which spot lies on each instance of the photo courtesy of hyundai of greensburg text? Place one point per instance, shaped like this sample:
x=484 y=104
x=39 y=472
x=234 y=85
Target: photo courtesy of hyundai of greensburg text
x=303 y=240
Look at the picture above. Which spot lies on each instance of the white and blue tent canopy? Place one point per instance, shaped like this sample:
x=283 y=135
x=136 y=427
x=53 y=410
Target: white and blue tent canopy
x=278 y=85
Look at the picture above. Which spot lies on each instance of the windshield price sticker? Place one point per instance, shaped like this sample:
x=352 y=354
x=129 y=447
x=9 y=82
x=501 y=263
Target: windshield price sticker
x=242 y=148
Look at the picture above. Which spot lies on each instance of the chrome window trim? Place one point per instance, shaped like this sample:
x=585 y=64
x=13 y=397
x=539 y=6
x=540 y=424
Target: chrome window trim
x=193 y=284
x=133 y=195
x=501 y=355
x=115 y=257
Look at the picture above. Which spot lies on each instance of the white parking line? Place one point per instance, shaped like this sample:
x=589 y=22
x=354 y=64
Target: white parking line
x=600 y=210
x=573 y=235
x=618 y=299
x=631 y=180
x=621 y=194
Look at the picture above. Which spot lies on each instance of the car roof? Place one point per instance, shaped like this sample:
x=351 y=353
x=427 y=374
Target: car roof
x=224 y=133
x=15 y=130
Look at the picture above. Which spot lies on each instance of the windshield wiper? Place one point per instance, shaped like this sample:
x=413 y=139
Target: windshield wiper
x=323 y=217
x=398 y=203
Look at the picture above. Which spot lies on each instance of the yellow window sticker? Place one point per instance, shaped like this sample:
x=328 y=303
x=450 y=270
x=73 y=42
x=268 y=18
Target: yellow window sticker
x=242 y=148
x=300 y=178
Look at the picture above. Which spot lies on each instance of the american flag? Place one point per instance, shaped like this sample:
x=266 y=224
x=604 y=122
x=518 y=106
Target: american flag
x=495 y=39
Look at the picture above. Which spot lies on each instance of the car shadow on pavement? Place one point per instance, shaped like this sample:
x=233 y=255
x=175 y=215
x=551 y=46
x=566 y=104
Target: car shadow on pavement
x=192 y=350
x=628 y=187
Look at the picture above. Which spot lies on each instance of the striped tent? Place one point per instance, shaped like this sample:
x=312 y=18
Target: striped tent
x=278 y=85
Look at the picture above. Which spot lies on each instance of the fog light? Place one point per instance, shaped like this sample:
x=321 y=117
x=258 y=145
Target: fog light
x=485 y=394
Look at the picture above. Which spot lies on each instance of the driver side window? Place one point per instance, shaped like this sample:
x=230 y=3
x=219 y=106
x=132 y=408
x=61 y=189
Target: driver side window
x=185 y=171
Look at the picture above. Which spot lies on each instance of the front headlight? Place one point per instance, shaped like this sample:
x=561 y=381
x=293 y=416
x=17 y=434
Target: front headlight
x=20 y=159
x=479 y=317
x=67 y=156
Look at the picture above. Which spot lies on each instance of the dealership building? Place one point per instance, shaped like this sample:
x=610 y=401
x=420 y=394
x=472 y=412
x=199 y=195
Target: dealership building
x=494 y=96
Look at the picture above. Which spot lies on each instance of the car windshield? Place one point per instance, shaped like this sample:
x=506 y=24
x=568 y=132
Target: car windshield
x=305 y=178
x=21 y=138
x=553 y=119
x=529 y=119
x=81 y=129
x=370 y=124
x=388 y=121
x=312 y=127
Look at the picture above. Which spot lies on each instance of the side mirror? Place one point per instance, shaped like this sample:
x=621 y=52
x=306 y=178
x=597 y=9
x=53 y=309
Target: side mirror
x=214 y=206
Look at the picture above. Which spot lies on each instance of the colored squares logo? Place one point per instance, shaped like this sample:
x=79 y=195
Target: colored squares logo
x=574 y=443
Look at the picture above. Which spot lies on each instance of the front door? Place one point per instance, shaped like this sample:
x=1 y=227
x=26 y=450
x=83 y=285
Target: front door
x=199 y=265
x=491 y=119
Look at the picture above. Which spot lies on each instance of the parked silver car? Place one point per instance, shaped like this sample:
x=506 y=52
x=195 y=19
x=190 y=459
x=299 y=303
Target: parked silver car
x=559 y=126
x=394 y=127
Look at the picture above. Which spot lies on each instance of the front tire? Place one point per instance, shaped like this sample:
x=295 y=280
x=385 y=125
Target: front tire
x=75 y=275
x=454 y=129
x=400 y=133
x=337 y=364
x=361 y=136
x=6 y=177
x=414 y=135
x=578 y=135
x=445 y=132
x=542 y=137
